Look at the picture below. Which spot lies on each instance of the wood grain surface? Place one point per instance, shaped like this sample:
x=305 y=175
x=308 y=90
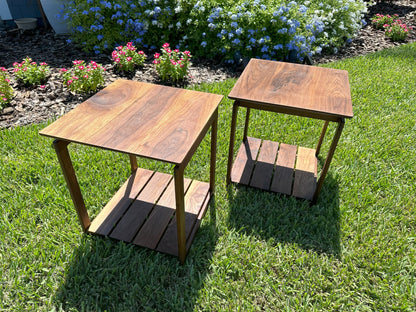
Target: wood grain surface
x=295 y=89
x=139 y=118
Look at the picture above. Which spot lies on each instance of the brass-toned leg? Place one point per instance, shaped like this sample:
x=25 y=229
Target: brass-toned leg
x=180 y=212
x=232 y=141
x=321 y=139
x=214 y=128
x=72 y=182
x=328 y=159
x=133 y=162
x=246 y=124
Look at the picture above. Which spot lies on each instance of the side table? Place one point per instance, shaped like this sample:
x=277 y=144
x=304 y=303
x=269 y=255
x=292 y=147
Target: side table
x=293 y=89
x=151 y=209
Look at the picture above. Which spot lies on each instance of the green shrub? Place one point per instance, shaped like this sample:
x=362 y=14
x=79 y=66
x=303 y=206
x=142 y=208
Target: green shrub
x=6 y=91
x=30 y=73
x=125 y=58
x=82 y=78
x=172 y=64
x=227 y=30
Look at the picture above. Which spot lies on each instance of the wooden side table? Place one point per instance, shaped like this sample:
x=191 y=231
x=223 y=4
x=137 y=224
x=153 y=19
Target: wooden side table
x=151 y=209
x=293 y=89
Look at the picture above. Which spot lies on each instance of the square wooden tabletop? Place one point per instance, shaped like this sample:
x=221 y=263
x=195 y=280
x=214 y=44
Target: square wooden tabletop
x=137 y=118
x=295 y=89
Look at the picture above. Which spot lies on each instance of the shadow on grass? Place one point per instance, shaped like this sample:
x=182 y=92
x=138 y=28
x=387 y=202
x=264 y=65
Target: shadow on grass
x=288 y=220
x=107 y=275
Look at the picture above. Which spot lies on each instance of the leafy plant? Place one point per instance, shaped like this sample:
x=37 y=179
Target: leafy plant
x=126 y=59
x=397 y=31
x=379 y=20
x=172 y=64
x=30 y=73
x=82 y=78
x=6 y=91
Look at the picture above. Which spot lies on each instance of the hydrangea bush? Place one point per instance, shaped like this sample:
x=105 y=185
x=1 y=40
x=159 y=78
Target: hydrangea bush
x=6 y=91
x=227 y=30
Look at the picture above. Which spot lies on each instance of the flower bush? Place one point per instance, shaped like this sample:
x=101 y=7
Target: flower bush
x=396 y=31
x=226 y=30
x=82 y=78
x=30 y=73
x=172 y=64
x=125 y=58
x=379 y=20
x=6 y=91
x=393 y=27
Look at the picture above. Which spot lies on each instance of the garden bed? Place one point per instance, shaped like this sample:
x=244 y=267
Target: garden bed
x=35 y=106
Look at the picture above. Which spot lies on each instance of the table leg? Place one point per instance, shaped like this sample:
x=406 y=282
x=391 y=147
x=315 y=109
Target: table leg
x=321 y=139
x=214 y=128
x=232 y=141
x=246 y=124
x=328 y=159
x=72 y=182
x=180 y=212
x=133 y=162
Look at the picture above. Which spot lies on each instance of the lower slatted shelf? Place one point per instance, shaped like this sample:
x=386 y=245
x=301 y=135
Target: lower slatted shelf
x=142 y=211
x=280 y=168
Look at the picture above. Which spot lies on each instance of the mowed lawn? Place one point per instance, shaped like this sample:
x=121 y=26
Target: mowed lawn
x=355 y=250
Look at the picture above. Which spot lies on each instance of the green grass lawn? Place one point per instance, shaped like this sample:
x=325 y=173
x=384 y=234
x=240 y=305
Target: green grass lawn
x=355 y=250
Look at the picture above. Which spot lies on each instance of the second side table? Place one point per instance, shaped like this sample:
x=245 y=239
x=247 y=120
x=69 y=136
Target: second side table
x=293 y=89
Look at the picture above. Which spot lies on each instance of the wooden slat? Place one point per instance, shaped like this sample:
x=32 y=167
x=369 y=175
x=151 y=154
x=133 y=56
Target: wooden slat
x=155 y=225
x=135 y=216
x=201 y=215
x=194 y=200
x=263 y=169
x=115 y=208
x=285 y=165
x=244 y=163
x=305 y=174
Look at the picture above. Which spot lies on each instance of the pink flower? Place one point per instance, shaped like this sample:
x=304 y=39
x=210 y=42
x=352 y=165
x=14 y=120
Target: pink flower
x=156 y=62
x=24 y=69
x=69 y=82
x=43 y=64
x=117 y=60
x=42 y=87
x=129 y=59
x=7 y=80
x=187 y=53
x=166 y=45
x=85 y=76
x=16 y=70
x=81 y=67
x=63 y=70
x=75 y=77
x=141 y=52
x=173 y=62
x=5 y=99
x=176 y=50
x=157 y=55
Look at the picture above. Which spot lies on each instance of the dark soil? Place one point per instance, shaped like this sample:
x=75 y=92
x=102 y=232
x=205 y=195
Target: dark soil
x=35 y=106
